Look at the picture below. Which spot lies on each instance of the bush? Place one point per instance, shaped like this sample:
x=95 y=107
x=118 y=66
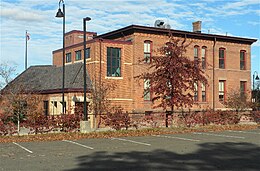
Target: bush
x=256 y=116
x=117 y=120
x=40 y=124
x=7 y=127
x=210 y=117
x=69 y=122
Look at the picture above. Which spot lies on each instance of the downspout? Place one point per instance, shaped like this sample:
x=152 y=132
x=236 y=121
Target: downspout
x=213 y=72
x=100 y=58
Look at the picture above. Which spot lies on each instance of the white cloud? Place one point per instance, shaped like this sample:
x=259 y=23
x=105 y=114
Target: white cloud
x=18 y=14
x=38 y=17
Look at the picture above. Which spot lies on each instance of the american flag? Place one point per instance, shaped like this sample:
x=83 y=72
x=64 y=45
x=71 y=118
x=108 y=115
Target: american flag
x=27 y=36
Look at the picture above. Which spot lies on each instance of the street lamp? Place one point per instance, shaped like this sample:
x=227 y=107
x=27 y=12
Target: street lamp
x=255 y=78
x=254 y=92
x=61 y=14
x=84 y=68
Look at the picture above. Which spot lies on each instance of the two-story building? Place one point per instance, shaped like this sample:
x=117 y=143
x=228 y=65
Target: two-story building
x=115 y=57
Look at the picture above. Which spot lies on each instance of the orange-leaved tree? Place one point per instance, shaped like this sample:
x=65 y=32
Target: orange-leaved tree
x=173 y=76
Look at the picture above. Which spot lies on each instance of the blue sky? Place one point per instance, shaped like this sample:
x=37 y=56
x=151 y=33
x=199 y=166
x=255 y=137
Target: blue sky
x=234 y=17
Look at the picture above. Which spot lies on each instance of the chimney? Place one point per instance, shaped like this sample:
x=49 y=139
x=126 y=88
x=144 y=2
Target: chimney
x=196 y=26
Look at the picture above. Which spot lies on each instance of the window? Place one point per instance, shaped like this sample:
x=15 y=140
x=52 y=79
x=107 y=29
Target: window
x=113 y=62
x=78 y=55
x=196 y=54
x=87 y=53
x=242 y=88
x=242 y=60
x=68 y=57
x=147 y=94
x=46 y=108
x=203 y=57
x=65 y=106
x=222 y=54
x=203 y=92
x=196 y=91
x=54 y=107
x=222 y=90
x=147 y=51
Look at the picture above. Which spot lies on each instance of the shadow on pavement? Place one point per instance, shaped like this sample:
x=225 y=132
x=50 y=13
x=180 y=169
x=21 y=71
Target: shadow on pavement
x=209 y=156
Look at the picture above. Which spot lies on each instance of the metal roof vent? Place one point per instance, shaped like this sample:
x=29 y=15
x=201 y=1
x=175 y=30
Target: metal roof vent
x=161 y=24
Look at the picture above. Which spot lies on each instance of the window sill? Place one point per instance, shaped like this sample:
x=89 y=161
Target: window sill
x=114 y=78
x=78 y=61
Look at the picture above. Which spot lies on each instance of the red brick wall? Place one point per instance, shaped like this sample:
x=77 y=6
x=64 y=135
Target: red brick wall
x=129 y=90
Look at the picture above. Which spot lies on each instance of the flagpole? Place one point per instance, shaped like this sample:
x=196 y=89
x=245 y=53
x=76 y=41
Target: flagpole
x=26 y=49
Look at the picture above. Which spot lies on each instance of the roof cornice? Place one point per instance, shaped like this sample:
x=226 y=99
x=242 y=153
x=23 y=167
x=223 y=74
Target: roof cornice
x=179 y=33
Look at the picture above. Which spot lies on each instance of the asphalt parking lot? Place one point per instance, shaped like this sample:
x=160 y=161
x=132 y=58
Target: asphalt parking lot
x=228 y=150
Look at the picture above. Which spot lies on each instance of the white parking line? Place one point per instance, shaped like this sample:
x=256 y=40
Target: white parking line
x=78 y=144
x=219 y=135
x=246 y=132
x=178 y=138
x=23 y=147
x=121 y=139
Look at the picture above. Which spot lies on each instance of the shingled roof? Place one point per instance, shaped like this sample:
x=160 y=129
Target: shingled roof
x=48 y=79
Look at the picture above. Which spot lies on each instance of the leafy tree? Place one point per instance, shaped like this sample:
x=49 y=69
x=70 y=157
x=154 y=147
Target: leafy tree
x=18 y=104
x=173 y=76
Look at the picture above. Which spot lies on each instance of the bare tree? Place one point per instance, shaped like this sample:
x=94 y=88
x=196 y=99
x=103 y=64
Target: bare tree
x=237 y=100
x=6 y=73
x=100 y=102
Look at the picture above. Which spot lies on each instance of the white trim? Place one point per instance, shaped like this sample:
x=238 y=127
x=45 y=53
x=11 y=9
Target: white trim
x=114 y=78
x=120 y=99
x=78 y=61
x=127 y=63
x=237 y=70
x=91 y=62
x=68 y=63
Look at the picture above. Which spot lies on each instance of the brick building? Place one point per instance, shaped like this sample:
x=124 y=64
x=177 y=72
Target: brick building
x=114 y=57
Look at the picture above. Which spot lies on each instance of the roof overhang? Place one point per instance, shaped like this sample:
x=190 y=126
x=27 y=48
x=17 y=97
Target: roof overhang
x=178 y=33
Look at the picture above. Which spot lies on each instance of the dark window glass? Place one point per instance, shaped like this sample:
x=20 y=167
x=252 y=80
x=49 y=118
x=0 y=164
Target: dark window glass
x=113 y=62
x=203 y=92
x=222 y=90
x=147 y=51
x=46 y=107
x=196 y=92
x=68 y=57
x=203 y=57
x=78 y=55
x=147 y=94
x=87 y=53
x=242 y=88
x=242 y=60
x=222 y=58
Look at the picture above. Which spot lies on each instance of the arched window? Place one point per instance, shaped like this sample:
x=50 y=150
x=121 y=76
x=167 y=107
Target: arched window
x=147 y=51
x=203 y=57
x=196 y=53
x=242 y=60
